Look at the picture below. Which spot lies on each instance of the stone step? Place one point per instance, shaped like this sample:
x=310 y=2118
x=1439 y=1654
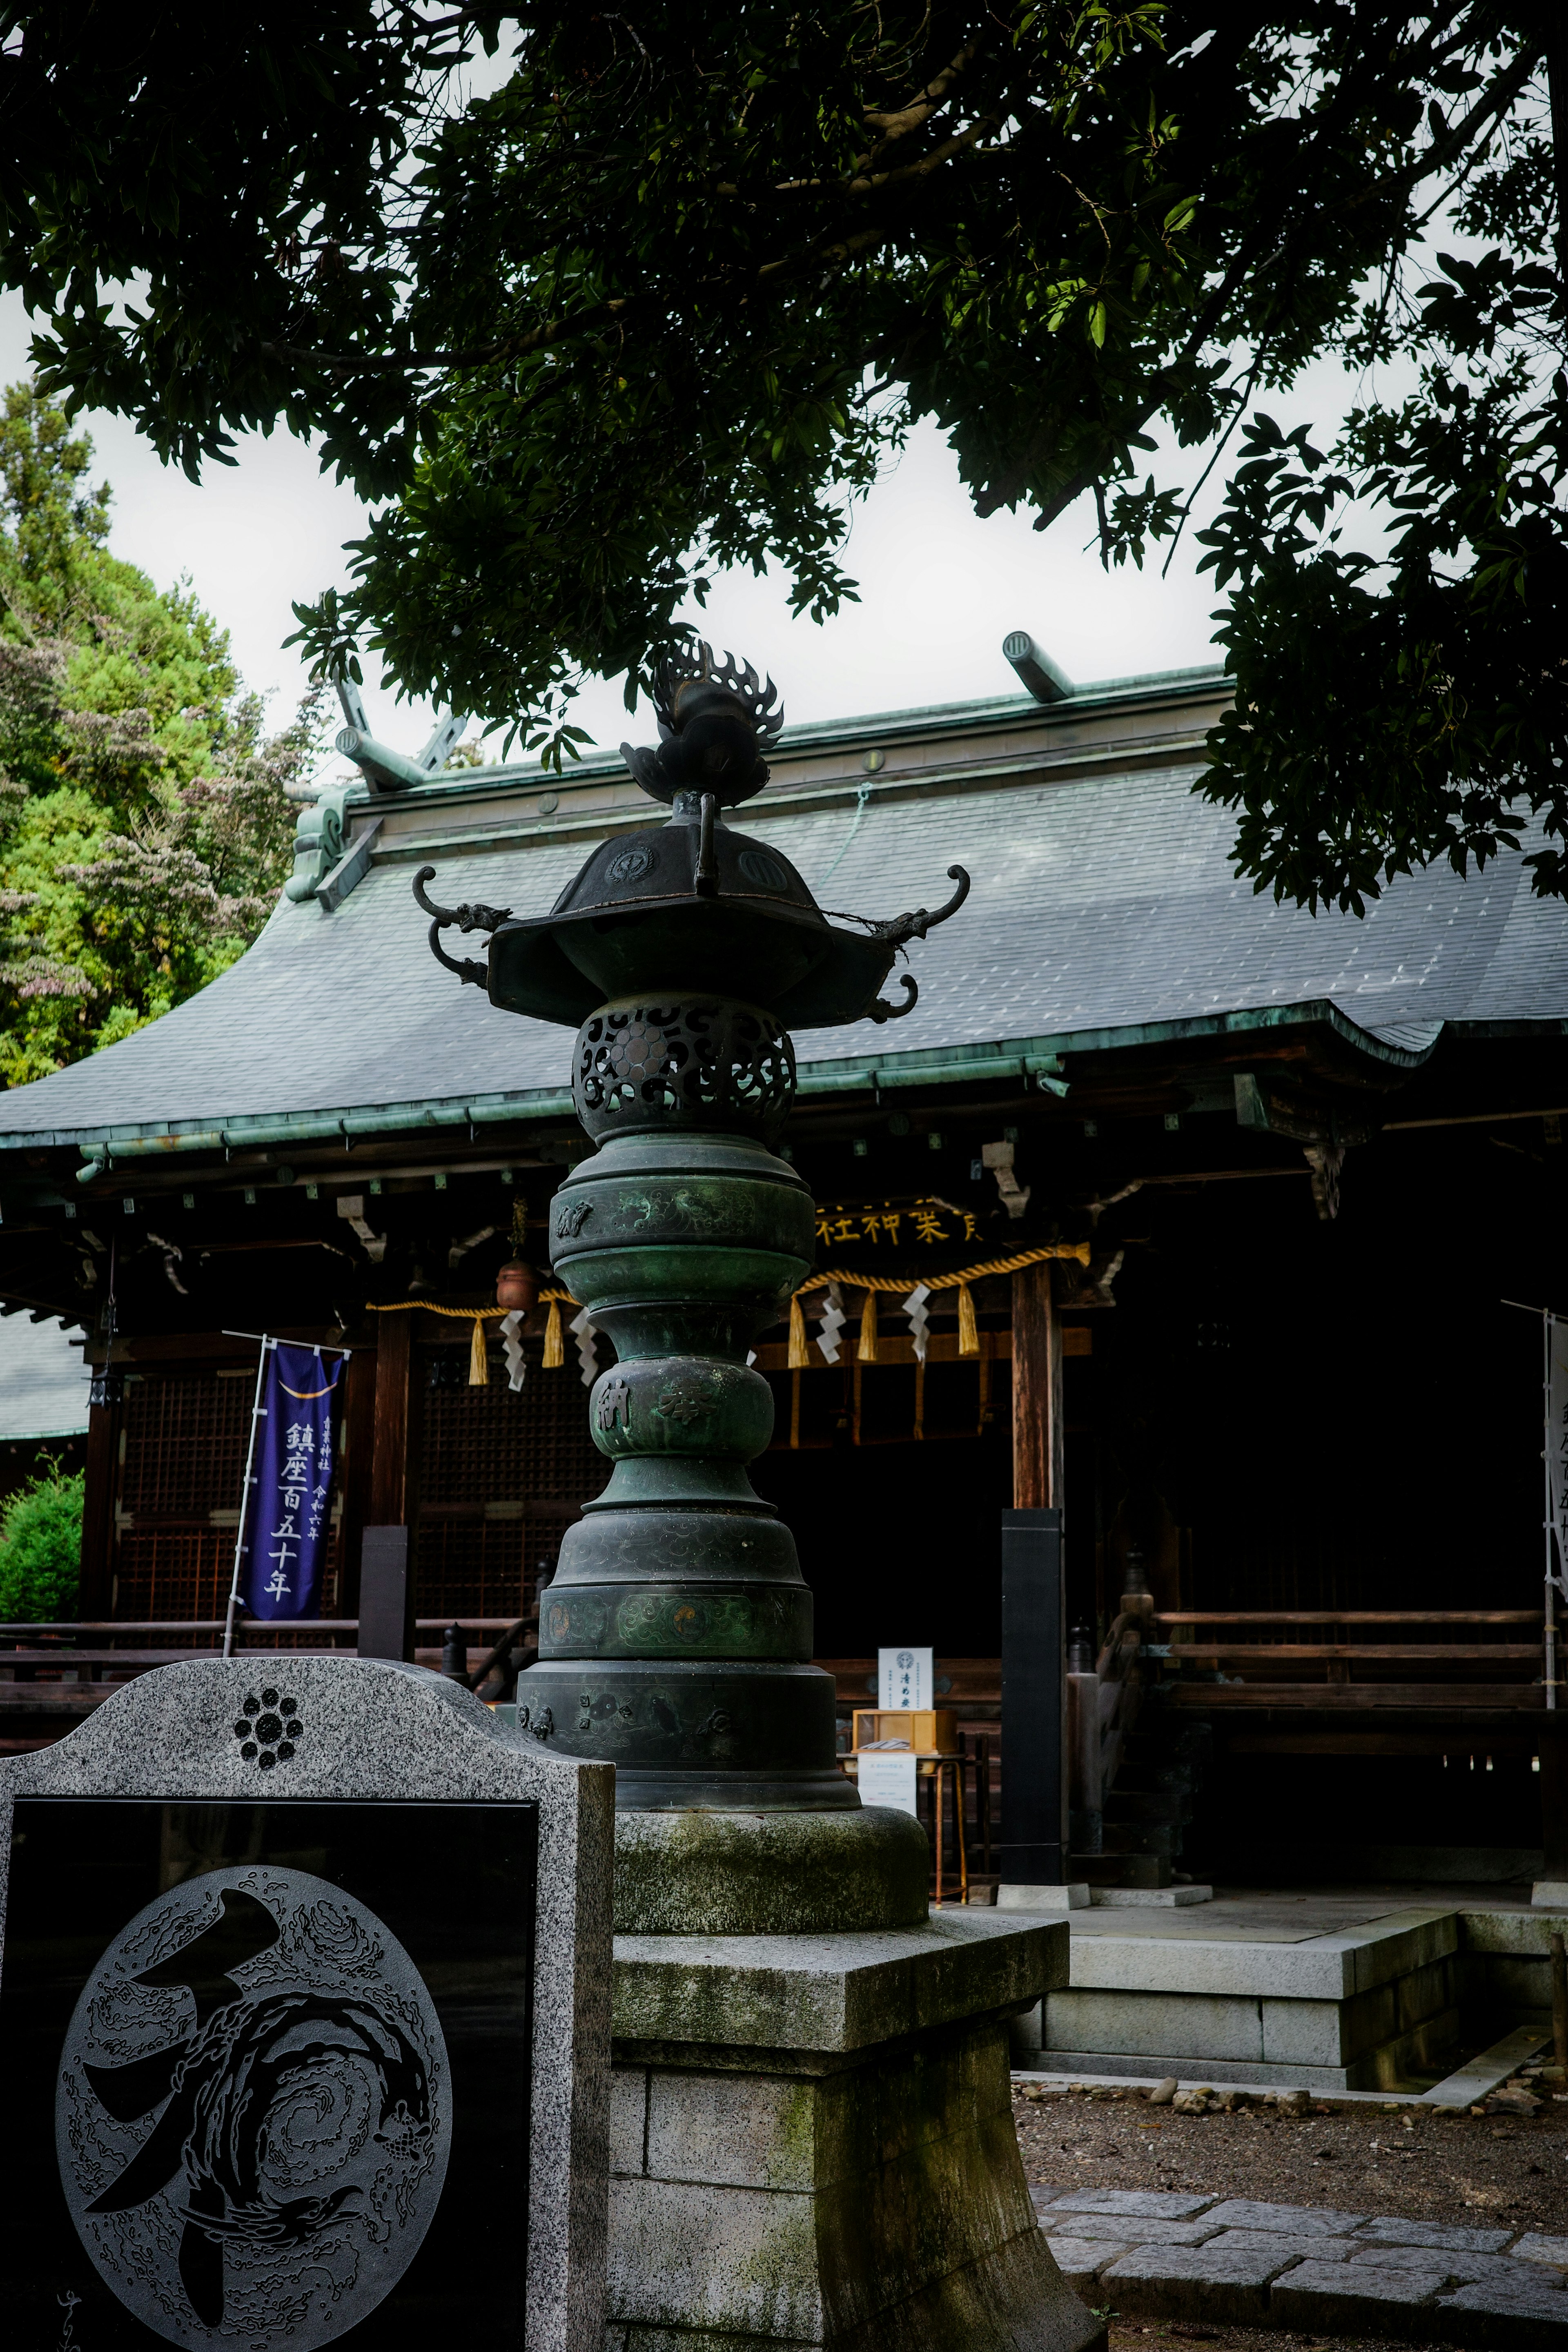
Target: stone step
x=1121 y=1869
x=1355 y=2008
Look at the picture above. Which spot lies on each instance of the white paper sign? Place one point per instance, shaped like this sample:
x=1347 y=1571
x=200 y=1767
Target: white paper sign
x=904 y=1678
x=1556 y=1436
x=887 y=1779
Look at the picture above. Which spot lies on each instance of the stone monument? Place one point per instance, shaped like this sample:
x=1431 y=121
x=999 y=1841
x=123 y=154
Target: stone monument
x=304 y=2020
x=812 y=2140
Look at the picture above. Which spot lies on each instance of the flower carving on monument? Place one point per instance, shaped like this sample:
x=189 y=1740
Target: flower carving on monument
x=266 y=1728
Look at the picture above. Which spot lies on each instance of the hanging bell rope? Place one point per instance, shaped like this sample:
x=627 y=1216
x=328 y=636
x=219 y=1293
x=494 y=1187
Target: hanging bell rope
x=1082 y=1251
x=511 y=1321
x=462 y=1314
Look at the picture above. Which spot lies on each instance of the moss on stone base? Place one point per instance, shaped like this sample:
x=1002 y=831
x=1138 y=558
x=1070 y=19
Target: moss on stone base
x=732 y=1874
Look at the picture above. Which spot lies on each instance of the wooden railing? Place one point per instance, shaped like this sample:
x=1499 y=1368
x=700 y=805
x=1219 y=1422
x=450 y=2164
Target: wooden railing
x=1278 y=1665
x=68 y=1669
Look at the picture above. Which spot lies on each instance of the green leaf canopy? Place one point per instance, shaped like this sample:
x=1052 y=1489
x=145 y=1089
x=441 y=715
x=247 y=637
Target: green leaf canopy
x=667 y=295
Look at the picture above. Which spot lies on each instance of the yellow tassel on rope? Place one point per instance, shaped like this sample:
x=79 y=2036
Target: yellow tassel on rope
x=479 y=1359
x=798 y=1358
x=865 y=1353
x=554 y=1356
x=968 y=1330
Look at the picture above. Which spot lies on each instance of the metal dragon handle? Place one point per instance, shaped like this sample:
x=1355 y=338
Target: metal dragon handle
x=916 y=926
x=474 y=917
x=883 y=1011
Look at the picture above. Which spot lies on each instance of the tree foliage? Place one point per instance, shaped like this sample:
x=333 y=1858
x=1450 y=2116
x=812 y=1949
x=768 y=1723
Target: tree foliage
x=144 y=827
x=40 y=1548
x=665 y=300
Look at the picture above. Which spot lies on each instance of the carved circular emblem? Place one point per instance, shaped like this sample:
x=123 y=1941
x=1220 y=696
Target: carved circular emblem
x=631 y=864
x=266 y=1728
x=764 y=871
x=253 y=2112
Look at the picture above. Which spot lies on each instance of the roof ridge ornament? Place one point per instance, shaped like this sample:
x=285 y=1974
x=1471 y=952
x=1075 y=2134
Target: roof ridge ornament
x=715 y=722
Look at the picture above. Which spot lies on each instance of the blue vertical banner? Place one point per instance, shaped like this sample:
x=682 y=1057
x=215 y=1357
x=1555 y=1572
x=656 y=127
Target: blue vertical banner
x=288 y=1528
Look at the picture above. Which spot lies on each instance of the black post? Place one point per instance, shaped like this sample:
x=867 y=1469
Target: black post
x=1033 y=1847
x=385 y=1595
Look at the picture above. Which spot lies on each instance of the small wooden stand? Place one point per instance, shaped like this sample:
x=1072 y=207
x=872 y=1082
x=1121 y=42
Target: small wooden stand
x=933 y=1764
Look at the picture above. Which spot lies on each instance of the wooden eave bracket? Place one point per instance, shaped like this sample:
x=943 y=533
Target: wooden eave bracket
x=1323 y=1135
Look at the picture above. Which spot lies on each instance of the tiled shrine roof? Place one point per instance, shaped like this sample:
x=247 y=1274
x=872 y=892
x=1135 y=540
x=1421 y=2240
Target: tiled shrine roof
x=1104 y=911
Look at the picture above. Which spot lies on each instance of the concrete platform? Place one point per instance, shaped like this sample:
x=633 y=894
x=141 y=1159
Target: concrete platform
x=1362 y=1988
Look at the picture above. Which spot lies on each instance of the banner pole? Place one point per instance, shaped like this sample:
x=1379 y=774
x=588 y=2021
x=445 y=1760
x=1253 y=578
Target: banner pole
x=1550 y=1624
x=244 y=1497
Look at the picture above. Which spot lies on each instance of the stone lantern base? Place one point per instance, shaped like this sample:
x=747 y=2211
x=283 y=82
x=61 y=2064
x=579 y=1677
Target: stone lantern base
x=812 y=2144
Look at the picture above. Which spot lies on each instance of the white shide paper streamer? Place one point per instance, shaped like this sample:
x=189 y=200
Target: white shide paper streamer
x=831 y=1323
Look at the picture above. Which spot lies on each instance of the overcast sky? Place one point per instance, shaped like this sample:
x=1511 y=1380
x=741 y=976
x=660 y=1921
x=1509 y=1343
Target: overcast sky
x=938 y=588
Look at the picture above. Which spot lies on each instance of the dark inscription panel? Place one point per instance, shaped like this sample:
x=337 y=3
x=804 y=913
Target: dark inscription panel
x=265 y=2074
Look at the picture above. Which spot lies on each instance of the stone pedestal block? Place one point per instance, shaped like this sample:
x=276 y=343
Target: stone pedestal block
x=812 y=2144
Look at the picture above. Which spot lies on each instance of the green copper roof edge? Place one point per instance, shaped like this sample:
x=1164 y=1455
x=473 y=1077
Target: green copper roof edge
x=1011 y=1057
x=937 y=1066
x=146 y=1141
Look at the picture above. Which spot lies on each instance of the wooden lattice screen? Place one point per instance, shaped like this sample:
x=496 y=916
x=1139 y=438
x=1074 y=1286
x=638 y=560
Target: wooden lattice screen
x=502 y=1478
x=182 y=1460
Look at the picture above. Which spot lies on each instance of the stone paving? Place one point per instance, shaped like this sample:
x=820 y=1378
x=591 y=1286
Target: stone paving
x=1233 y=2261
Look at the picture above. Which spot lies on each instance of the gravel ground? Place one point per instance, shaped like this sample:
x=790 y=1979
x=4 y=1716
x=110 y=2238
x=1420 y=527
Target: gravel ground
x=1419 y=2164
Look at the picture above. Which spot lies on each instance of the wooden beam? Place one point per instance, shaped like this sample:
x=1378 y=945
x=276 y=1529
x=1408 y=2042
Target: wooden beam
x=95 y=1592
x=395 y=1448
x=1456 y=1700
x=1516 y=1745
x=1266 y=1654
x=1039 y=1423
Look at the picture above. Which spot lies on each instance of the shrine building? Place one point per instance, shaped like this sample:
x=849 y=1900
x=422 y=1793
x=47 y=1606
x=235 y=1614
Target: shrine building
x=1214 y=1221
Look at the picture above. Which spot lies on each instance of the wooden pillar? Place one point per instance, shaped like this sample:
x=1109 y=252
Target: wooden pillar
x=96 y=1589
x=1039 y=1425
x=1033 y=1846
x=394 y=1451
x=358 y=1449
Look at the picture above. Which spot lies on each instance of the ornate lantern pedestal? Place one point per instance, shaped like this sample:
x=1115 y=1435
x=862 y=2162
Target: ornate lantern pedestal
x=676 y=1639
x=813 y=2138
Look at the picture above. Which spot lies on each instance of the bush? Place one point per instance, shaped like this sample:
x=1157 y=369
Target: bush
x=40 y=1548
